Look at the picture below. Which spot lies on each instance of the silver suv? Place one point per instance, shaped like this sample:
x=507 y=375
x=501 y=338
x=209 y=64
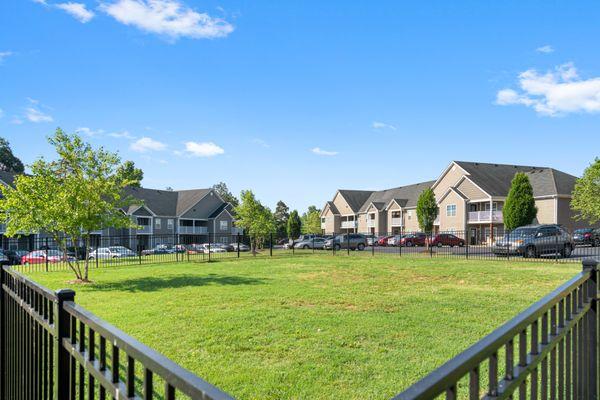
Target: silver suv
x=534 y=240
x=354 y=241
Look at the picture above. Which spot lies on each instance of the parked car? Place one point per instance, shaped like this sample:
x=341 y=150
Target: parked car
x=159 y=249
x=383 y=240
x=195 y=248
x=534 y=240
x=4 y=260
x=372 y=240
x=413 y=239
x=112 y=252
x=354 y=241
x=315 y=243
x=41 y=256
x=445 y=239
x=395 y=240
x=210 y=248
x=587 y=236
x=15 y=256
x=243 y=247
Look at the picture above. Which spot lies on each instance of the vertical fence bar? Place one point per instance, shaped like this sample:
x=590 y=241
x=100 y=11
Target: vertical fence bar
x=62 y=321
x=238 y=245
x=271 y=244
x=3 y=344
x=592 y=266
x=46 y=250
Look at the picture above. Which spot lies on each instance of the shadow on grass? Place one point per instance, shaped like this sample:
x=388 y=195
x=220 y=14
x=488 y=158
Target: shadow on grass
x=151 y=284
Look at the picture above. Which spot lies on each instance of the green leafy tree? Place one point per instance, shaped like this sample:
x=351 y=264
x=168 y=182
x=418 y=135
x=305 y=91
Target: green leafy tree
x=8 y=161
x=68 y=198
x=294 y=225
x=129 y=173
x=427 y=210
x=256 y=220
x=311 y=220
x=519 y=208
x=586 y=195
x=281 y=215
x=223 y=191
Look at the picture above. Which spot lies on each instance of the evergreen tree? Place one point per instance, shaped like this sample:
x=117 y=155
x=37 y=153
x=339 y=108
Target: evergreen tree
x=281 y=215
x=8 y=161
x=519 y=208
x=294 y=225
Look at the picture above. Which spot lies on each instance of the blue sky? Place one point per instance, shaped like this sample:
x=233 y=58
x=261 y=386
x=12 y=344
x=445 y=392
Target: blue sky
x=294 y=99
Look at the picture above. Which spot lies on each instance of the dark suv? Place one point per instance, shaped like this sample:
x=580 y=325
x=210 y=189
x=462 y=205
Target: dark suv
x=587 y=236
x=354 y=241
x=534 y=240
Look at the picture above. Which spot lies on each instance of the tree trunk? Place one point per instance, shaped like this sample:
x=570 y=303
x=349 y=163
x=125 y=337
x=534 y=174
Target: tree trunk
x=87 y=260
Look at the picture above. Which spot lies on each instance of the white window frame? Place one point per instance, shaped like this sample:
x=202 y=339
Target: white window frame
x=221 y=222
x=157 y=223
x=170 y=224
x=451 y=210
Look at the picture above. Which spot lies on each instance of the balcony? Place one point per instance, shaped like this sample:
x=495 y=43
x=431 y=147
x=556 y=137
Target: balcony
x=371 y=223
x=143 y=230
x=485 y=216
x=396 y=221
x=192 y=230
x=348 y=224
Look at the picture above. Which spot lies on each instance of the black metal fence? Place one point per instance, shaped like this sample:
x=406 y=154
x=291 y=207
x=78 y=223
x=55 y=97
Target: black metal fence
x=51 y=348
x=549 y=351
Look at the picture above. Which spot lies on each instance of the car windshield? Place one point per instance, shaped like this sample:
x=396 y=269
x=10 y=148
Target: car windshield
x=118 y=249
x=53 y=253
x=522 y=232
x=582 y=230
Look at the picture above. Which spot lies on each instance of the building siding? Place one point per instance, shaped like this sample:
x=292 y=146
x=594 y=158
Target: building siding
x=546 y=211
x=470 y=190
x=448 y=180
x=453 y=223
x=203 y=208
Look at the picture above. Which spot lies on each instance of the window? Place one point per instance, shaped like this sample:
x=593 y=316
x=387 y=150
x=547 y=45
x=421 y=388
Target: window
x=372 y=216
x=157 y=223
x=223 y=225
x=170 y=224
x=323 y=220
x=395 y=214
x=224 y=239
x=451 y=210
x=409 y=214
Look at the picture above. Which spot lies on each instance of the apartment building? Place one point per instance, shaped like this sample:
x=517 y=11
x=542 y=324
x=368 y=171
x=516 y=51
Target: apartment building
x=470 y=198
x=161 y=216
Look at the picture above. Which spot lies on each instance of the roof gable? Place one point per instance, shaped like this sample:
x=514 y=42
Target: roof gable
x=406 y=196
x=355 y=198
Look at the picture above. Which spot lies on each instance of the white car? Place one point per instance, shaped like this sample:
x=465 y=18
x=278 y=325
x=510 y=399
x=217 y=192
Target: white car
x=112 y=252
x=394 y=240
x=214 y=248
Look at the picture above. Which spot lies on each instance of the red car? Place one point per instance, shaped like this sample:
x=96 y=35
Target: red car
x=445 y=239
x=413 y=239
x=383 y=241
x=39 y=257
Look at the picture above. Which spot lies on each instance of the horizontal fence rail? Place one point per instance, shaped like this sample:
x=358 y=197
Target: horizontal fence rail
x=548 y=351
x=44 y=254
x=51 y=348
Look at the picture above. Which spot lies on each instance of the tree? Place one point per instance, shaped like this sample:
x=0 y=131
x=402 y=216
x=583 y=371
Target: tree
x=8 y=161
x=311 y=221
x=68 y=198
x=256 y=219
x=128 y=172
x=427 y=210
x=281 y=215
x=586 y=195
x=294 y=225
x=519 y=208
x=169 y=189
x=223 y=191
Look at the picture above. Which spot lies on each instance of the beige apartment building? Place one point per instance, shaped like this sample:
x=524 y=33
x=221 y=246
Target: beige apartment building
x=470 y=197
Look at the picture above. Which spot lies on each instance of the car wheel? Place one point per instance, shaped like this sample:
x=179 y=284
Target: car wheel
x=567 y=250
x=305 y=247
x=361 y=247
x=409 y=244
x=439 y=244
x=461 y=244
x=596 y=242
x=337 y=247
x=530 y=252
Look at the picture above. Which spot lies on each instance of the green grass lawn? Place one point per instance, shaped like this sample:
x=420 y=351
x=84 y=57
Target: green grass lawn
x=314 y=327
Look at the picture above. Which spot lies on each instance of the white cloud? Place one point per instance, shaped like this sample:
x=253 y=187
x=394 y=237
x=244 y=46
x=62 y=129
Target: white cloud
x=89 y=132
x=321 y=152
x=170 y=18
x=146 y=144
x=77 y=11
x=383 y=125
x=5 y=54
x=35 y=115
x=261 y=143
x=122 y=135
x=40 y=2
x=557 y=92
x=204 y=149
x=545 y=49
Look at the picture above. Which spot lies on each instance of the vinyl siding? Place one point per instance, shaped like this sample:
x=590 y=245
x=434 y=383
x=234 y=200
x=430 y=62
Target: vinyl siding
x=469 y=189
x=412 y=224
x=546 y=211
x=342 y=205
x=203 y=208
x=448 y=180
x=457 y=222
x=332 y=222
x=566 y=216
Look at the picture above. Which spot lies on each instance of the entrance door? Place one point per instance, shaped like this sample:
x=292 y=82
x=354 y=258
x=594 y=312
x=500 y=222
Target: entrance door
x=473 y=236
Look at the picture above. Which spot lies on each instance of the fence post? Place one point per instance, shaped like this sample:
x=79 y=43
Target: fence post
x=46 y=250
x=373 y=241
x=2 y=337
x=62 y=321
x=271 y=244
x=431 y=244
x=592 y=323
x=556 y=248
x=348 y=243
x=313 y=245
x=468 y=243
x=209 y=247
x=176 y=248
x=238 y=245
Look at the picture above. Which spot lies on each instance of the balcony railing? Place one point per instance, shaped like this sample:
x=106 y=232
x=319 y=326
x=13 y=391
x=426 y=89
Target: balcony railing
x=193 y=230
x=485 y=216
x=144 y=230
x=370 y=223
x=396 y=221
x=348 y=224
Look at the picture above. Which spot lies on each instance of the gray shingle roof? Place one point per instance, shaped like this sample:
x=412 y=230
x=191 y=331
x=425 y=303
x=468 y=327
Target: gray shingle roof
x=7 y=177
x=495 y=179
x=166 y=202
x=333 y=207
x=407 y=195
x=355 y=198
